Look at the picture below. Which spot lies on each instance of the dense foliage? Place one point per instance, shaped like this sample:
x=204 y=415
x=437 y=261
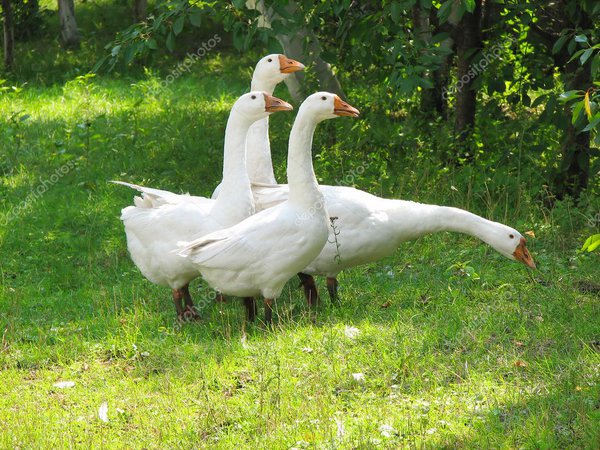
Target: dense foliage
x=440 y=61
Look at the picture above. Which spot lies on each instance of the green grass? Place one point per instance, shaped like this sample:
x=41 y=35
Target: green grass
x=509 y=360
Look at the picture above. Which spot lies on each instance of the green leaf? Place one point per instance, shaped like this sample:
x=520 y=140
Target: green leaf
x=196 y=19
x=585 y=56
x=594 y=246
x=570 y=95
x=239 y=4
x=576 y=55
x=539 y=100
x=171 y=42
x=581 y=38
x=559 y=44
x=151 y=44
x=593 y=124
x=396 y=12
x=577 y=112
x=99 y=64
x=129 y=54
x=178 y=25
x=445 y=10
x=591 y=243
x=238 y=40
x=595 y=65
x=469 y=5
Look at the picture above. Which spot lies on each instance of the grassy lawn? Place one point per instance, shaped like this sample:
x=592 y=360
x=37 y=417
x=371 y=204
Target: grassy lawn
x=418 y=356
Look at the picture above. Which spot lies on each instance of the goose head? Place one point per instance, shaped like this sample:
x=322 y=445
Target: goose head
x=273 y=69
x=510 y=243
x=325 y=105
x=257 y=105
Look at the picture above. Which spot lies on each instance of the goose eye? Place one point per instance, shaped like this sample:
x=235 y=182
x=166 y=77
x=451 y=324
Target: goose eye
x=323 y=98
x=253 y=97
x=512 y=236
x=270 y=60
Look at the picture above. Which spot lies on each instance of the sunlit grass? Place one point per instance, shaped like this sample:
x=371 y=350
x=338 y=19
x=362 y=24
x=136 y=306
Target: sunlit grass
x=439 y=360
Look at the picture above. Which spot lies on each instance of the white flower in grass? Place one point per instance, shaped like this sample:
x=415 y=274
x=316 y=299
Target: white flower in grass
x=244 y=340
x=432 y=431
x=64 y=384
x=103 y=412
x=387 y=431
x=341 y=431
x=351 y=332
x=359 y=377
x=307 y=350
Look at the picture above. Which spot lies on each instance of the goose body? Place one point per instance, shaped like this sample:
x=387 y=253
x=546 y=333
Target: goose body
x=260 y=254
x=367 y=228
x=160 y=219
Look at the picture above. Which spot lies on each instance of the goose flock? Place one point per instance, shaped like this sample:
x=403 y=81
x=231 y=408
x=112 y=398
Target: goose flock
x=254 y=235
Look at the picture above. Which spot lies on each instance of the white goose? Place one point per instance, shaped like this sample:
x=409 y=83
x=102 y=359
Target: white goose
x=260 y=254
x=371 y=228
x=268 y=73
x=160 y=219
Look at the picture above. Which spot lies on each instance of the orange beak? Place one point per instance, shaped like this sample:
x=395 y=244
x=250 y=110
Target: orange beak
x=273 y=104
x=341 y=108
x=522 y=254
x=288 y=65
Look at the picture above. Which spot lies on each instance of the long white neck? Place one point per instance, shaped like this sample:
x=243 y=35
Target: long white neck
x=411 y=220
x=258 y=160
x=235 y=201
x=303 y=186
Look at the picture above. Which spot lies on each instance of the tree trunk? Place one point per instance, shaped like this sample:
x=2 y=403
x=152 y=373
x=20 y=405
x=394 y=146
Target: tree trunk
x=489 y=15
x=68 y=25
x=437 y=96
x=468 y=43
x=422 y=31
x=9 y=35
x=301 y=44
x=140 y=10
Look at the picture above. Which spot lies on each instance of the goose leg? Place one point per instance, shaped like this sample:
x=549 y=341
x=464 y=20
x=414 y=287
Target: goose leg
x=268 y=311
x=190 y=312
x=177 y=297
x=310 y=289
x=220 y=298
x=332 y=288
x=250 y=305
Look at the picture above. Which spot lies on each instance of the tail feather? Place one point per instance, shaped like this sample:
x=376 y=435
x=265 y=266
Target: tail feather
x=152 y=198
